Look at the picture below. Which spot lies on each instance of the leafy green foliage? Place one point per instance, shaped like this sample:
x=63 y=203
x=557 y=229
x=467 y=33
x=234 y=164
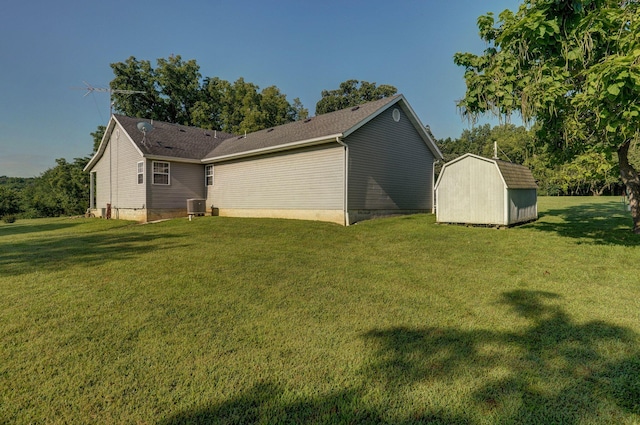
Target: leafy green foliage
x=352 y=93
x=61 y=190
x=591 y=173
x=97 y=137
x=572 y=67
x=174 y=91
x=9 y=201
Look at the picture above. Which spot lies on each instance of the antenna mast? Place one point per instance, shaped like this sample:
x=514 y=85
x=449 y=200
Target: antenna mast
x=90 y=89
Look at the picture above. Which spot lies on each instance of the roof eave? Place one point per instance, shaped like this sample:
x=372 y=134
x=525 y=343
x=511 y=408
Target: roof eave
x=102 y=146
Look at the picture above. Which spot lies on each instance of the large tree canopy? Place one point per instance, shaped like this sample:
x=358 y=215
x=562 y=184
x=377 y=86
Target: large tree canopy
x=572 y=66
x=174 y=91
x=352 y=93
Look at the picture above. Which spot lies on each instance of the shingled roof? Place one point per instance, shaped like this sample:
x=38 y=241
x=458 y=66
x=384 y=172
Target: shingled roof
x=171 y=140
x=516 y=176
x=192 y=144
x=321 y=127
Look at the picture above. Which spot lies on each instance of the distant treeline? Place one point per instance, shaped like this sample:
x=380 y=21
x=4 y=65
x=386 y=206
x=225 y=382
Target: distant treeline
x=60 y=191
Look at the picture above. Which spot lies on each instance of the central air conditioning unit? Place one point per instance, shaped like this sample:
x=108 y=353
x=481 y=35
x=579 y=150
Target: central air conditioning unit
x=196 y=206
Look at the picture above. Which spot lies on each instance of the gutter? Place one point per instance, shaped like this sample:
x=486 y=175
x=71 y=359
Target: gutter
x=272 y=149
x=346 y=180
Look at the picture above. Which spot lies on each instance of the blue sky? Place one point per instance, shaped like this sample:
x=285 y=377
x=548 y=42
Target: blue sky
x=302 y=47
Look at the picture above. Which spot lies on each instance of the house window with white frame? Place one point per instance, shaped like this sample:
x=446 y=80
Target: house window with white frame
x=160 y=172
x=141 y=172
x=208 y=172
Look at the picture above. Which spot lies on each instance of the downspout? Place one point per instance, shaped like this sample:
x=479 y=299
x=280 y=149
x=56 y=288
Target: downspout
x=346 y=180
x=433 y=187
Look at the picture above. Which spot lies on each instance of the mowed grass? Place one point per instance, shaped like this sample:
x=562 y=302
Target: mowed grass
x=396 y=320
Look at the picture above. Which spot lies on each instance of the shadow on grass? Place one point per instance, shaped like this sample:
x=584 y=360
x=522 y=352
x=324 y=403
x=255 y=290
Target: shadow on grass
x=62 y=251
x=599 y=223
x=19 y=228
x=552 y=371
x=263 y=404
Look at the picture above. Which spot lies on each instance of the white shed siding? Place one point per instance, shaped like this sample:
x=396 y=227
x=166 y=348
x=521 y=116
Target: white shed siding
x=471 y=191
x=390 y=166
x=307 y=179
x=186 y=181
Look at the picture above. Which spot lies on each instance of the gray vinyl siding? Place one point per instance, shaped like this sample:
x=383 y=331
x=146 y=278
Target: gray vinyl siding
x=390 y=166
x=116 y=174
x=306 y=179
x=186 y=181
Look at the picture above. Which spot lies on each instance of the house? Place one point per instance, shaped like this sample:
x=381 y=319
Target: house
x=370 y=160
x=476 y=190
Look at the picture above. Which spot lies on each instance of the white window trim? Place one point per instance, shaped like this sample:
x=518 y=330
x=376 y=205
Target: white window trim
x=207 y=175
x=154 y=174
x=140 y=173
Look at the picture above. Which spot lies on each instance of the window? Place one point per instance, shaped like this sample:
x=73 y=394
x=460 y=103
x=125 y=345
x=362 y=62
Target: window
x=208 y=171
x=140 y=172
x=160 y=172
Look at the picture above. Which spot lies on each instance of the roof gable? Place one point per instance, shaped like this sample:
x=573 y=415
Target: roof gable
x=514 y=176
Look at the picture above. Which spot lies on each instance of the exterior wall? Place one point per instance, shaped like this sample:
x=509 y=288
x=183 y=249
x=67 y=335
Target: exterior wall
x=305 y=184
x=523 y=205
x=390 y=168
x=116 y=175
x=471 y=191
x=186 y=181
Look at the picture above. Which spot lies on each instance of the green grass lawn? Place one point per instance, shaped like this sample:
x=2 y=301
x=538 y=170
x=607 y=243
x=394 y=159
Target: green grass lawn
x=395 y=320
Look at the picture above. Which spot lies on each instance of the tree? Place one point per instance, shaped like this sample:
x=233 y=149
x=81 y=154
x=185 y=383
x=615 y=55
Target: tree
x=9 y=201
x=175 y=92
x=571 y=66
x=61 y=190
x=352 y=93
x=97 y=137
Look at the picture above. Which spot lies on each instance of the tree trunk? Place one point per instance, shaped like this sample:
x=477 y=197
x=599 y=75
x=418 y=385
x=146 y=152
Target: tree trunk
x=631 y=180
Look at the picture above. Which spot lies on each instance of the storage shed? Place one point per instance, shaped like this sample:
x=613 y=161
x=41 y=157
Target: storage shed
x=476 y=190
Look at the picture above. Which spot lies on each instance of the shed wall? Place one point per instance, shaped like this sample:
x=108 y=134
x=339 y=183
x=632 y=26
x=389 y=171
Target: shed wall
x=390 y=166
x=523 y=205
x=471 y=191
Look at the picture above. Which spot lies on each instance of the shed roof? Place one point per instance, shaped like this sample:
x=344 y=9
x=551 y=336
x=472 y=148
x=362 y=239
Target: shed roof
x=515 y=176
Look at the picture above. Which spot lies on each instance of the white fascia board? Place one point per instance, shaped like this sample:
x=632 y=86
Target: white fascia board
x=278 y=148
x=103 y=144
x=106 y=137
x=130 y=139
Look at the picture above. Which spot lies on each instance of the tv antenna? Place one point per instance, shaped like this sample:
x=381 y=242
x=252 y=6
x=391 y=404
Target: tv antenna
x=91 y=89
